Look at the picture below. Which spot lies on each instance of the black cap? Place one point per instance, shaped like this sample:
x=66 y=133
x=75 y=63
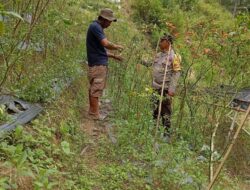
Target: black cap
x=168 y=37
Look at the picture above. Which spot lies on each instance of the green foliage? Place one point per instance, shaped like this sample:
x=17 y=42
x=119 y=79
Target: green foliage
x=241 y=5
x=11 y=13
x=243 y=20
x=4 y=183
x=149 y=11
x=3 y=14
x=4 y=117
x=186 y=5
x=43 y=181
x=40 y=65
x=65 y=147
x=1 y=28
x=32 y=155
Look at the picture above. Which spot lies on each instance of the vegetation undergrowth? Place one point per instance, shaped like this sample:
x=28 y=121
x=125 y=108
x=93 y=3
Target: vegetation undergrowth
x=43 y=154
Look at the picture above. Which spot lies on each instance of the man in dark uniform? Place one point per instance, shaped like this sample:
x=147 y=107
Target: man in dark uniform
x=97 y=45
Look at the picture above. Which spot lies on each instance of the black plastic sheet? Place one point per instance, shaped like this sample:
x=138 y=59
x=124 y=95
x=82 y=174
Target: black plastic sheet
x=20 y=112
x=241 y=100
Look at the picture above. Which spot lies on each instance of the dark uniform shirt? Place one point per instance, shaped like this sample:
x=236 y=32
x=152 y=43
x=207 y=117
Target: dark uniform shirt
x=96 y=53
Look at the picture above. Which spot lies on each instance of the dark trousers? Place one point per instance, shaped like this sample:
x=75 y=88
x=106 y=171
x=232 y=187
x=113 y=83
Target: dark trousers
x=166 y=109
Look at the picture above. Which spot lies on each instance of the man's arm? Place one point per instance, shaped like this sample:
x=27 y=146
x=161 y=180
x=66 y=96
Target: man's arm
x=109 y=45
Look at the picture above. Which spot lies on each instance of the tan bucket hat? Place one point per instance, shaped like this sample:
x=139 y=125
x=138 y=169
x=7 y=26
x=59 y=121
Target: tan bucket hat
x=108 y=14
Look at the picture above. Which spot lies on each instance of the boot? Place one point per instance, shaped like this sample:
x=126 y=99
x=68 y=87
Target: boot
x=94 y=108
x=91 y=105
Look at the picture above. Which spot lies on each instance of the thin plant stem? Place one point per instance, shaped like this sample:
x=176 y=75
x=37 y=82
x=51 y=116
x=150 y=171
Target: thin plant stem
x=211 y=171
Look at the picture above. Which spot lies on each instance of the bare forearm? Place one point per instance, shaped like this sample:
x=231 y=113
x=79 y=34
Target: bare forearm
x=111 y=46
x=111 y=55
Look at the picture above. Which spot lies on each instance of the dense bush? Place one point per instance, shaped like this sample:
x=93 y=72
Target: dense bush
x=148 y=12
x=186 y=5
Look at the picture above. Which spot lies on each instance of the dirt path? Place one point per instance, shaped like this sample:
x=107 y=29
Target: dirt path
x=95 y=130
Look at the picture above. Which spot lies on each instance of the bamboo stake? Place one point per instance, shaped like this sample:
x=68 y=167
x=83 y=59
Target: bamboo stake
x=231 y=129
x=212 y=152
x=246 y=131
x=228 y=150
x=235 y=7
x=162 y=90
x=157 y=46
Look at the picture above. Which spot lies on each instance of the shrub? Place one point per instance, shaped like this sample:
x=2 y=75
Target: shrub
x=149 y=11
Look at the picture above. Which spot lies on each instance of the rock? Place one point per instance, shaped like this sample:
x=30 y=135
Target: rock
x=28 y=18
x=188 y=180
x=23 y=45
x=201 y=158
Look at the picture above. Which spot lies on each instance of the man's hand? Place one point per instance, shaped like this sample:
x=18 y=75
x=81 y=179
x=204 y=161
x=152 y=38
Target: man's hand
x=118 y=58
x=119 y=47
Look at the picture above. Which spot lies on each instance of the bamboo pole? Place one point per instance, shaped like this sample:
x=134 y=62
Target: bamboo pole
x=235 y=7
x=228 y=150
x=246 y=131
x=231 y=129
x=211 y=168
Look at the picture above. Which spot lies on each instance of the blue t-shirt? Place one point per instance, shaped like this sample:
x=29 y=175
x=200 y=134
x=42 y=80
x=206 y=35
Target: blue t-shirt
x=96 y=53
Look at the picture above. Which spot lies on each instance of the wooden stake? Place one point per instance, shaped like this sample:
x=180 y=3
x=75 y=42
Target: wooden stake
x=211 y=168
x=231 y=129
x=228 y=150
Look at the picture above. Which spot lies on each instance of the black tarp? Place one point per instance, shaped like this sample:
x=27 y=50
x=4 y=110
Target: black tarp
x=20 y=112
x=241 y=100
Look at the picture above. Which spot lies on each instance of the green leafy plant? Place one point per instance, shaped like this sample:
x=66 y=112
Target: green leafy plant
x=65 y=147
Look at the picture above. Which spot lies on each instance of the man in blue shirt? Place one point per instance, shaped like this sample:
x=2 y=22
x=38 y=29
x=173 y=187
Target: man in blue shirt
x=97 y=45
